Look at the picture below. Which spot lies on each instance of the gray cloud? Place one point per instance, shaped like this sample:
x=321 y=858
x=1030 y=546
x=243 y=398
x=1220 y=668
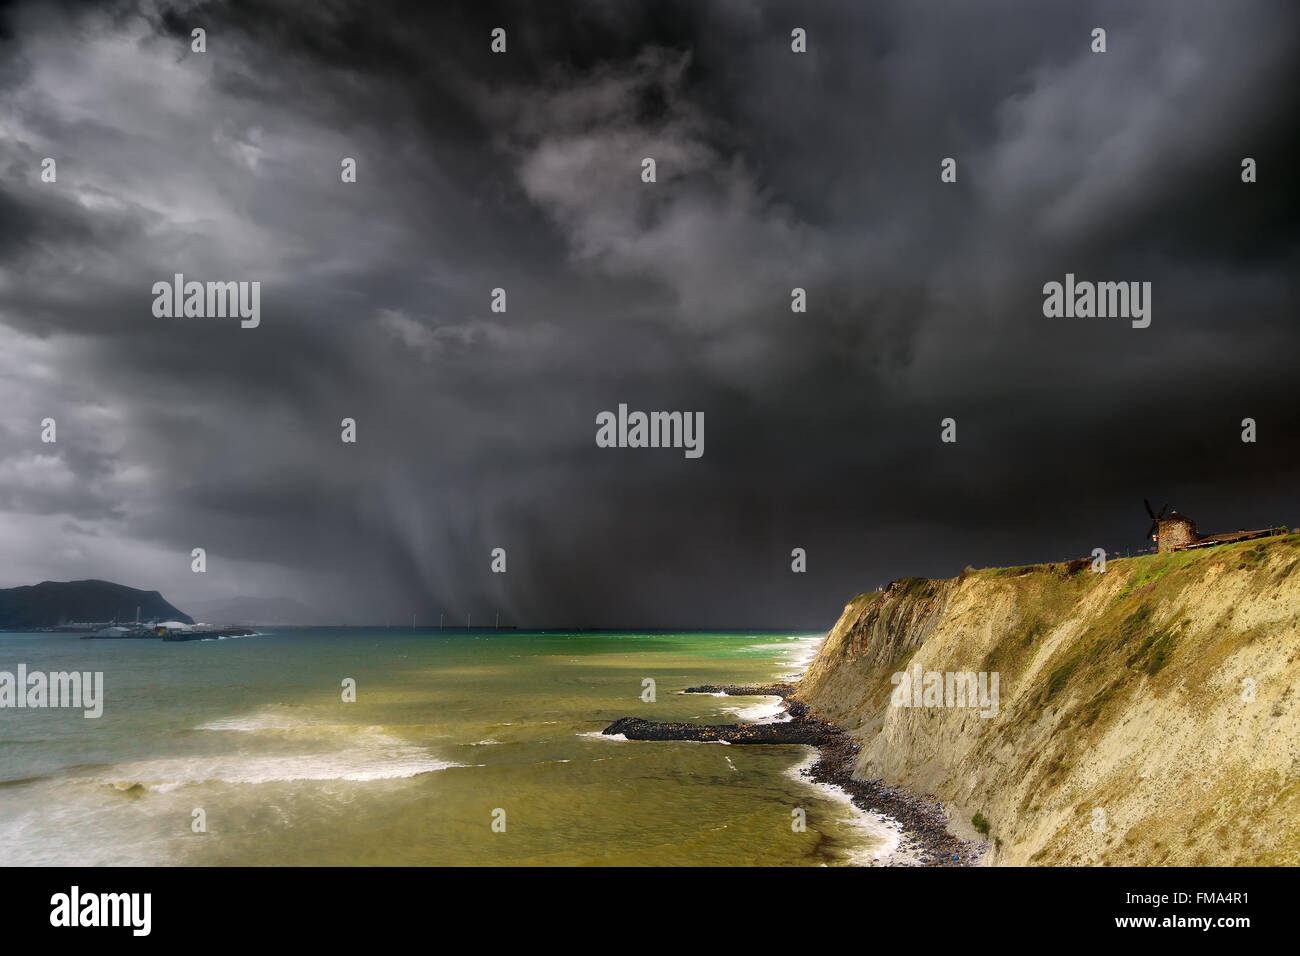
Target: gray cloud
x=477 y=171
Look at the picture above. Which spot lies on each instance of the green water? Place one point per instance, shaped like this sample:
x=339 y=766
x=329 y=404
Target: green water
x=447 y=728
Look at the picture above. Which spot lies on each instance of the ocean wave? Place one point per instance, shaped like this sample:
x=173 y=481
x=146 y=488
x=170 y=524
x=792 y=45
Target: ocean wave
x=254 y=723
x=38 y=835
x=766 y=710
x=274 y=722
x=163 y=776
x=24 y=781
x=804 y=655
x=321 y=752
x=783 y=648
x=279 y=720
x=882 y=835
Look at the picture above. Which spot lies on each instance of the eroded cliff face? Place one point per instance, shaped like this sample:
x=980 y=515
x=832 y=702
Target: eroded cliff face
x=1146 y=715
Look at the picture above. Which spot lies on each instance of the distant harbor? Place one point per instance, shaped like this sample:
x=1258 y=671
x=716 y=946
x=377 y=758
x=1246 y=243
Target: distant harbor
x=164 y=630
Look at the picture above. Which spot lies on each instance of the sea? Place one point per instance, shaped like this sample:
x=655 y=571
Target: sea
x=461 y=748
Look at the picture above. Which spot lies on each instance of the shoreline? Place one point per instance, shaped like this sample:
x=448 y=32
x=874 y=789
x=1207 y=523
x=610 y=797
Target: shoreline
x=923 y=838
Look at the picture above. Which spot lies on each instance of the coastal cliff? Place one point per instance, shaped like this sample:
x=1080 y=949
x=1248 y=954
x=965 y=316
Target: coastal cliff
x=1144 y=715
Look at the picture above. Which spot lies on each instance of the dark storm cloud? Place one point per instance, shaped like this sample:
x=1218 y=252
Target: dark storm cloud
x=476 y=429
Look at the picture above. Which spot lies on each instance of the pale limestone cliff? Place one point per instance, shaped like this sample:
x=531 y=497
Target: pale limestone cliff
x=1127 y=692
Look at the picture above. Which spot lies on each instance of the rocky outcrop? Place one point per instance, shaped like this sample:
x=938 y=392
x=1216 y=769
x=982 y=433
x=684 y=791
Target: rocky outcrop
x=925 y=839
x=790 y=732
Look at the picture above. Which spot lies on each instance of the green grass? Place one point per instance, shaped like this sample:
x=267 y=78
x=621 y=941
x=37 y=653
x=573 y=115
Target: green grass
x=1060 y=677
x=1251 y=557
x=1135 y=622
x=1016 y=572
x=914 y=587
x=1097 y=705
x=980 y=823
x=1154 y=651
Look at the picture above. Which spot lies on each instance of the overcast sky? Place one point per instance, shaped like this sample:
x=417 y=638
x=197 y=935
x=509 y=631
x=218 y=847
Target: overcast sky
x=476 y=430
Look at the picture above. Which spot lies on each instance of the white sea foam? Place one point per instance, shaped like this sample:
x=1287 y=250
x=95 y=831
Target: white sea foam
x=40 y=835
x=802 y=654
x=799 y=650
x=603 y=736
x=276 y=718
x=883 y=835
x=765 y=710
x=276 y=721
x=325 y=752
x=253 y=723
x=767 y=647
x=162 y=776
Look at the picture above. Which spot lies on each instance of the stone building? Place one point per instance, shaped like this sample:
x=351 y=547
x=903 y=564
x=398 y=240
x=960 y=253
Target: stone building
x=1175 y=531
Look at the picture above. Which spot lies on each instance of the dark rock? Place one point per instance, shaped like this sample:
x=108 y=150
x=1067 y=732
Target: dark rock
x=790 y=732
x=923 y=819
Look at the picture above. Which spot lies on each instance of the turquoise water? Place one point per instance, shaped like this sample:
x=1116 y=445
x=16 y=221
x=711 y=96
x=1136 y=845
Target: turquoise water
x=449 y=732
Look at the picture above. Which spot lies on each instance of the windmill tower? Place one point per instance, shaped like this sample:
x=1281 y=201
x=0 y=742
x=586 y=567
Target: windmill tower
x=1172 y=531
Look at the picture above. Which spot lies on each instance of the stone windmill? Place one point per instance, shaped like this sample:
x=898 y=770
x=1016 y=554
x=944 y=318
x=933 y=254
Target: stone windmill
x=1172 y=531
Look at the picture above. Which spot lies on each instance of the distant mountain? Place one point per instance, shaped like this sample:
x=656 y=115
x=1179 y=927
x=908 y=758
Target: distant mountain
x=52 y=603
x=255 y=610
